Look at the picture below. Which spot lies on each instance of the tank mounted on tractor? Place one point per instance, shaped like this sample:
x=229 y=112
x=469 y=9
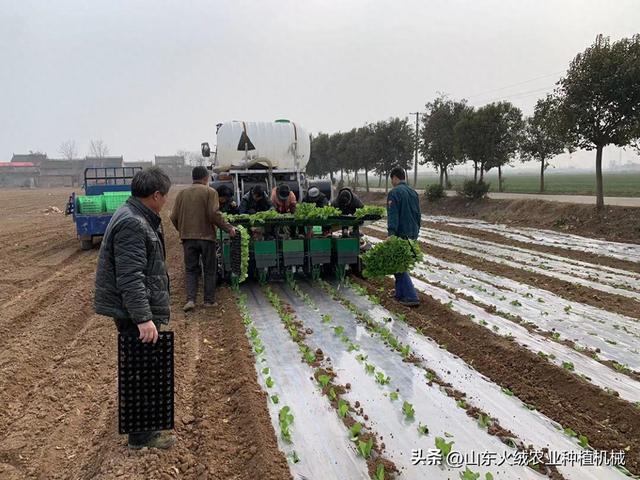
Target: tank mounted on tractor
x=270 y=154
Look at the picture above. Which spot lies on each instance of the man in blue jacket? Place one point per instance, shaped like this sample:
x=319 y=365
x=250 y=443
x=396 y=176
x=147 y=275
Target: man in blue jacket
x=403 y=220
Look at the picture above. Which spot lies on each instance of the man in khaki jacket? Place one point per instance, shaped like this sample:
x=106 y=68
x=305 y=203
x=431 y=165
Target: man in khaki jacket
x=195 y=214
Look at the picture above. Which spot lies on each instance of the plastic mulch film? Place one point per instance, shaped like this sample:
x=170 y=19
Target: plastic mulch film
x=601 y=278
x=433 y=408
x=319 y=439
x=622 y=251
x=530 y=427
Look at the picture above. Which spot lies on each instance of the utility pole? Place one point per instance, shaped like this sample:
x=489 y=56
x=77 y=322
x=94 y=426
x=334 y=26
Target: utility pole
x=415 y=163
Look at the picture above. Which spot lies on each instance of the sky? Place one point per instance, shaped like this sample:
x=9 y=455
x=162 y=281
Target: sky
x=153 y=77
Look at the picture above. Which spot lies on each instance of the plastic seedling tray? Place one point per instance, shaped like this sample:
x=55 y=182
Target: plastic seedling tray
x=145 y=383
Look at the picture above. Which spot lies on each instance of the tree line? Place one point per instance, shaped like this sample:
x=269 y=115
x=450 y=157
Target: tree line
x=595 y=104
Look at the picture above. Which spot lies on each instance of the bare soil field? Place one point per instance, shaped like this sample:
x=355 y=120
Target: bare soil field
x=524 y=342
x=58 y=378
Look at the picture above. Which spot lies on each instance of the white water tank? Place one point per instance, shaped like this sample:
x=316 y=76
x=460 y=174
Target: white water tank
x=280 y=142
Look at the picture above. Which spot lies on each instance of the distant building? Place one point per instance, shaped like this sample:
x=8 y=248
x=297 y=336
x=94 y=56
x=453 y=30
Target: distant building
x=138 y=164
x=104 y=162
x=61 y=172
x=18 y=174
x=35 y=158
x=169 y=161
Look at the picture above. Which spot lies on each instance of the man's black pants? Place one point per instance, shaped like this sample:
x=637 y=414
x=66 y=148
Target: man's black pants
x=196 y=251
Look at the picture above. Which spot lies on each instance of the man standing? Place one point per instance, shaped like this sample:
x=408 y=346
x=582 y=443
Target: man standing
x=403 y=217
x=195 y=215
x=255 y=200
x=132 y=285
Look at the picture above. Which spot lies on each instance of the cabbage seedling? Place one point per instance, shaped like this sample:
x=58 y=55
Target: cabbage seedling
x=393 y=395
x=380 y=472
x=343 y=408
x=382 y=379
x=408 y=410
x=355 y=431
x=275 y=399
x=423 y=429
x=364 y=448
x=269 y=381
x=324 y=380
x=444 y=447
x=326 y=318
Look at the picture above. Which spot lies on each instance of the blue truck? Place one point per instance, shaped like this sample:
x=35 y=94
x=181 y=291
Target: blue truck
x=101 y=186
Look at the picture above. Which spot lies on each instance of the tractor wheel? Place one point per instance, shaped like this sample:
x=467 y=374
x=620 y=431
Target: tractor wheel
x=86 y=244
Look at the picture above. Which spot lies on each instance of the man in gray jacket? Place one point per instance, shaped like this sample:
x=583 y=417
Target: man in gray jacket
x=132 y=284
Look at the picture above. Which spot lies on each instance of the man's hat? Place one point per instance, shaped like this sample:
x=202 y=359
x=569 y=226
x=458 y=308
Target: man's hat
x=314 y=192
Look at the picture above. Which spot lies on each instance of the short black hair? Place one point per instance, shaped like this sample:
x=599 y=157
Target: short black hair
x=398 y=172
x=149 y=181
x=199 y=172
x=257 y=190
x=224 y=191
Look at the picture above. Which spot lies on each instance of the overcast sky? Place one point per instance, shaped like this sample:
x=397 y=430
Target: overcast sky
x=153 y=77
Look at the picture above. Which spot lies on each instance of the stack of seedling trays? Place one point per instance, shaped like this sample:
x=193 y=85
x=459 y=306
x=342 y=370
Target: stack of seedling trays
x=90 y=204
x=145 y=383
x=114 y=200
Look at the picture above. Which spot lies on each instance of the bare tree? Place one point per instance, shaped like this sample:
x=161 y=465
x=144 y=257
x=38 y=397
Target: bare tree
x=191 y=158
x=68 y=150
x=98 y=149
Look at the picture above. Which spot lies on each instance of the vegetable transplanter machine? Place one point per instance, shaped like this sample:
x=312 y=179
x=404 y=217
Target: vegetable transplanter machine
x=314 y=241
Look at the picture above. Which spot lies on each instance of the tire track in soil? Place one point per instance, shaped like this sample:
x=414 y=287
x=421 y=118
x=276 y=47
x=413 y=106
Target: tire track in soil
x=609 y=422
x=563 y=252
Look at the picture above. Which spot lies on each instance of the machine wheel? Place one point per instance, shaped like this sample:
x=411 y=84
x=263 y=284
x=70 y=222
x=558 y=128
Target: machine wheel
x=86 y=244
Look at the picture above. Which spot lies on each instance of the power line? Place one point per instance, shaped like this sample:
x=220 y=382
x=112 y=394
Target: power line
x=518 y=94
x=515 y=84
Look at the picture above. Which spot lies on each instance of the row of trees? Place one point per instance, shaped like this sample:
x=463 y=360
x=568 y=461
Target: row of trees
x=69 y=150
x=597 y=103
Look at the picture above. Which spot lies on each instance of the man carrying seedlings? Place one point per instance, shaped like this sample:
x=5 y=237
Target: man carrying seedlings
x=195 y=215
x=403 y=220
x=132 y=285
x=255 y=200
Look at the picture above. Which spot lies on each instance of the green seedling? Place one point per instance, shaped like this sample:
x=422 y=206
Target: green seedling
x=567 y=309
x=408 y=410
x=253 y=333
x=285 y=418
x=568 y=366
x=401 y=317
x=355 y=431
x=555 y=336
x=332 y=394
x=343 y=408
x=294 y=457
x=380 y=472
x=506 y=391
x=324 y=380
x=469 y=475
x=431 y=376
x=259 y=349
x=265 y=370
x=484 y=420
x=444 y=447
x=275 y=399
x=570 y=433
x=269 y=382
x=394 y=395
x=353 y=347
x=309 y=357
x=405 y=351
x=516 y=303
x=583 y=441
x=462 y=404
x=361 y=358
x=382 y=379
x=339 y=330
x=483 y=323
x=423 y=429
x=369 y=368
x=364 y=448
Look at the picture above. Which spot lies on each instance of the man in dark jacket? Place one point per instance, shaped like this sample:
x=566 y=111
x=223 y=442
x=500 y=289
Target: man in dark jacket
x=132 y=284
x=195 y=215
x=347 y=202
x=403 y=220
x=315 y=196
x=255 y=200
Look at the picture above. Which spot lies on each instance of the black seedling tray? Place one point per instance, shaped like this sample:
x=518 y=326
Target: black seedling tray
x=145 y=383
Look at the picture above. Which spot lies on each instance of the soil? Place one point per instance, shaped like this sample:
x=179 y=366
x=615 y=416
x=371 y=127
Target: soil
x=58 y=377
x=571 y=291
x=618 y=224
x=607 y=421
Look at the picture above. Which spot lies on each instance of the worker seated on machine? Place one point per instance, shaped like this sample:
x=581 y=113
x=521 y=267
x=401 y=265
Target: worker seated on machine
x=227 y=203
x=315 y=196
x=283 y=199
x=255 y=200
x=347 y=202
